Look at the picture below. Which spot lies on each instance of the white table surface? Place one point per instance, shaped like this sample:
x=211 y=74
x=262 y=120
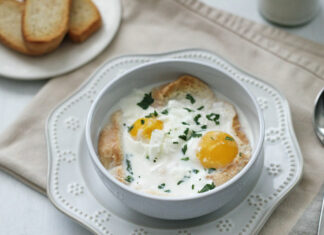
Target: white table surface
x=25 y=211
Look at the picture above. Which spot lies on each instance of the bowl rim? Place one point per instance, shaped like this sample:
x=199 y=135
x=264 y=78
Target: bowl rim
x=95 y=158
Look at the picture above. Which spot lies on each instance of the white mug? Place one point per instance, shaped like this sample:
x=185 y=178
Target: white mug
x=289 y=12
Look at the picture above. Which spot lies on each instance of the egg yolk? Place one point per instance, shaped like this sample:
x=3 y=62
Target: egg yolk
x=143 y=127
x=217 y=149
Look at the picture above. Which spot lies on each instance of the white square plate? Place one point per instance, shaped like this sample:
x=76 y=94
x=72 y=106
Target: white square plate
x=75 y=189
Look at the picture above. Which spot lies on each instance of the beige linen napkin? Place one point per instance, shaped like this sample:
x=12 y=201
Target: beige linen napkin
x=291 y=64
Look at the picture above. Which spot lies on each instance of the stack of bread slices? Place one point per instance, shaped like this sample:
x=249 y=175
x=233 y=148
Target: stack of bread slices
x=37 y=27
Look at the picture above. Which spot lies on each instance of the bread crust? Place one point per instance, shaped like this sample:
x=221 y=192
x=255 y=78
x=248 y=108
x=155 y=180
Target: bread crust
x=109 y=144
x=184 y=84
x=79 y=35
x=14 y=44
x=45 y=44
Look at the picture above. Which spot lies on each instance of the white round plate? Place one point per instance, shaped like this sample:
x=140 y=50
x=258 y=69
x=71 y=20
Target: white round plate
x=68 y=56
x=76 y=190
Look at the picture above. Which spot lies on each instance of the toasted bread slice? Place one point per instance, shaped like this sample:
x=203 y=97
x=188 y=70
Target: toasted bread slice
x=45 y=23
x=84 y=20
x=179 y=88
x=109 y=147
x=109 y=144
x=10 y=26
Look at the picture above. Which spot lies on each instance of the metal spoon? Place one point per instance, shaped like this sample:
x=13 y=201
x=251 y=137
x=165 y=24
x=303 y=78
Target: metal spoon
x=318 y=118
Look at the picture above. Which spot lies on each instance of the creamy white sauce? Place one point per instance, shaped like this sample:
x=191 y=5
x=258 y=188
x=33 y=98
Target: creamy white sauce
x=159 y=165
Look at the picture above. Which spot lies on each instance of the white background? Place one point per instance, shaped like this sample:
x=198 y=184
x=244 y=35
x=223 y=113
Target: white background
x=25 y=211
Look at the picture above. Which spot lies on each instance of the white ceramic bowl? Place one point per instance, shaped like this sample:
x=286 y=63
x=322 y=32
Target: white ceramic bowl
x=175 y=207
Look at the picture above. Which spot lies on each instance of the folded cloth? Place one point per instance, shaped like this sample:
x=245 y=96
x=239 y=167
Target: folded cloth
x=293 y=65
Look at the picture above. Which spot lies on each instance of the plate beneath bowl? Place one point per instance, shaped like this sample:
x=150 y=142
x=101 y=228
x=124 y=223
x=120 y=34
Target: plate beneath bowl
x=68 y=55
x=76 y=190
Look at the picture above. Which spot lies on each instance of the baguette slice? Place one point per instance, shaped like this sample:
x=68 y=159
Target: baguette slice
x=45 y=23
x=84 y=20
x=10 y=26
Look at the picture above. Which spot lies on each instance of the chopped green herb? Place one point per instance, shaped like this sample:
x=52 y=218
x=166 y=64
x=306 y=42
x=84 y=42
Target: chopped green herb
x=165 y=112
x=180 y=182
x=161 y=186
x=207 y=187
x=201 y=107
x=167 y=191
x=185 y=123
x=183 y=137
x=184 y=149
x=130 y=128
x=146 y=101
x=189 y=110
x=195 y=171
x=196 y=119
x=213 y=117
x=240 y=154
x=175 y=142
x=189 y=97
x=155 y=159
x=185 y=158
x=194 y=134
x=211 y=170
x=204 y=127
x=154 y=114
x=142 y=121
x=229 y=138
x=193 y=187
x=129 y=166
x=147 y=157
x=129 y=179
x=186 y=131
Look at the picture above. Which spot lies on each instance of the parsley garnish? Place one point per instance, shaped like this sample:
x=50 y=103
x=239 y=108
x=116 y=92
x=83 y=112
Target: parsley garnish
x=184 y=149
x=189 y=97
x=229 y=138
x=189 y=110
x=201 y=107
x=193 y=187
x=167 y=191
x=129 y=179
x=184 y=136
x=194 y=134
x=204 y=127
x=180 y=182
x=211 y=170
x=175 y=142
x=129 y=166
x=147 y=157
x=195 y=171
x=154 y=160
x=240 y=154
x=213 y=117
x=161 y=186
x=185 y=159
x=142 y=121
x=130 y=128
x=196 y=119
x=207 y=187
x=146 y=101
x=185 y=123
x=154 y=114
x=165 y=112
